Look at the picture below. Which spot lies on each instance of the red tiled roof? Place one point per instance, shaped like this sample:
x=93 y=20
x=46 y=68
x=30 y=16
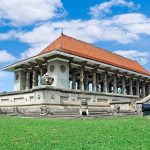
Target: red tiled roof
x=79 y=48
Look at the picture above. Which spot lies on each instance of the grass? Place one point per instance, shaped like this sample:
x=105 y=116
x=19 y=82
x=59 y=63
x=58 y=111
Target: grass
x=128 y=133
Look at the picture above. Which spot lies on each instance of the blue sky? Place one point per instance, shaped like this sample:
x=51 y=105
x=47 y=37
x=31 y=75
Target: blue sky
x=26 y=27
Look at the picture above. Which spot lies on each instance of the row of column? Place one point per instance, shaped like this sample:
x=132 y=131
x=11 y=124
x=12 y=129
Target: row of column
x=83 y=84
x=32 y=77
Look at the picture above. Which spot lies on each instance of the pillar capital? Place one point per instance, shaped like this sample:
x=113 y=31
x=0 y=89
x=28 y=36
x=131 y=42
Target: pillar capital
x=83 y=64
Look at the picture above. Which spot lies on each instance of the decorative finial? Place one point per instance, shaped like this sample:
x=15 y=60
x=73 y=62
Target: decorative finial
x=62 y=31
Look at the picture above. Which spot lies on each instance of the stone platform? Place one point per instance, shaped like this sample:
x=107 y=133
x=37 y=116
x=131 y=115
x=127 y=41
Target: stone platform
x=49 y=100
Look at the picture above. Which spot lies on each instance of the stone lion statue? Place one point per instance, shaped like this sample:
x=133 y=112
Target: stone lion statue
x=116 y=108
x=46 y=80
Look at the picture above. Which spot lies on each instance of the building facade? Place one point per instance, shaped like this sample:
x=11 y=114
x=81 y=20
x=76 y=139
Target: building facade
x=80 y=71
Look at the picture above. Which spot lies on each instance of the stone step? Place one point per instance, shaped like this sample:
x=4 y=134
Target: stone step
x=127 y=111
x=98 y=113
x=65 y=112
x=100 y=110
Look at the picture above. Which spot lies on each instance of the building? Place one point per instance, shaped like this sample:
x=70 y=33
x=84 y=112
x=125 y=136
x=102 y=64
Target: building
x=80 y=71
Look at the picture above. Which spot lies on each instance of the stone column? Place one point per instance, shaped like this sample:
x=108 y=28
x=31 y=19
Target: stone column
x=105 y=82
x=94 y=80
x=41 y=71
x=86 y=84
x=131 y=86
x=137 y=87
x=143 y=89
x=97 y=81
x=82 y=78
x=148 y=88
x=27 y=80
x=73 y=80
x=35 y=78
x=123 y=86
x=115 y=84
x=78 y=84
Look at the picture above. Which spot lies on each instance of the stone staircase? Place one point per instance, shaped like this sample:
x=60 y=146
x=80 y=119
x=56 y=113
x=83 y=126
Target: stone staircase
x=66 y=113
x=104 y=110
x=144 y=100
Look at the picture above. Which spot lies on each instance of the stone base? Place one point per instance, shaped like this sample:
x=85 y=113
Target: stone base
x=48 y=100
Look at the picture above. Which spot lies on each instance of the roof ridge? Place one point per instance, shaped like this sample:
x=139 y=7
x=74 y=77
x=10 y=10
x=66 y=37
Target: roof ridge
x=99 y=48
x=61 y=41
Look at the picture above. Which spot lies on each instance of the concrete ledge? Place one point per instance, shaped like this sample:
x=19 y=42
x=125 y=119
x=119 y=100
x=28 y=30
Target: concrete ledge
x=52 y=88
x=16 y=92
x=48 y=87
x=120 y=102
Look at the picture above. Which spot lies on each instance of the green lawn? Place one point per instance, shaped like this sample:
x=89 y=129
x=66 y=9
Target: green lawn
x=73 y=134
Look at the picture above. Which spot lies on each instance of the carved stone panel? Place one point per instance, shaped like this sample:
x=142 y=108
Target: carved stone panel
x=62 y=68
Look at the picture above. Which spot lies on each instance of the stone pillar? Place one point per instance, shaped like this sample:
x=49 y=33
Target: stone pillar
x=143 y=89
x=41 y=71
x=94 y=80
x=115 y=84
x=105 y=82
x=97 y=81
x=123 y=86
x=78 y=85
x=148 y=88
x=35 y=78
x=137 y=87
x=27 y=80
x=73 y=79
x=131 y=86
x=82 y=78
x=86 y=84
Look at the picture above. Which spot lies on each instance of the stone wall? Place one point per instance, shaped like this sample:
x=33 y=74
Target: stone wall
x=61 y=99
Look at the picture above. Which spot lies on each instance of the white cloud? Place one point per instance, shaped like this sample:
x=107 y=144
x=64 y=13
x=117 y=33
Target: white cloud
x=8 y=35
x=125 y=28
x=33 y=50
x=22 y=12
x=130 y=18
x=119 y=28
x=6 y=57
x=141 y=57
x=133 y=22
x=89 y=30
x=41 y=34
x=104 y=8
